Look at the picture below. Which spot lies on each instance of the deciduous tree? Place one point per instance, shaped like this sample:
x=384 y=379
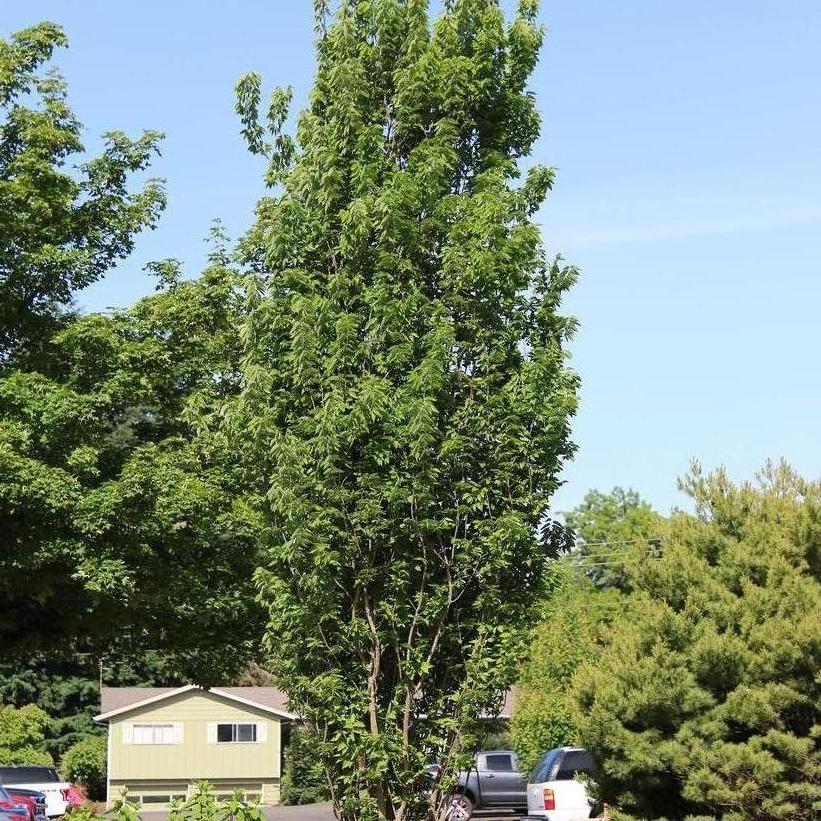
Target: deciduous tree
x=21 y=733
x=407 y=396
x=120 y=503
x=65 y=218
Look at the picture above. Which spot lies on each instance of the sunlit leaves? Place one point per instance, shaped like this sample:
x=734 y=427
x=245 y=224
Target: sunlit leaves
x=406 y=397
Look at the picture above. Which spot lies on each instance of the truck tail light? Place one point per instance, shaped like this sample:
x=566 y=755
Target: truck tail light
x=64 y=794
x=549 y=799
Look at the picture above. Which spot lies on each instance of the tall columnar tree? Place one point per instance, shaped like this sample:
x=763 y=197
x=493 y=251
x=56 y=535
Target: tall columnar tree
x=65 y=219
x=407 y=398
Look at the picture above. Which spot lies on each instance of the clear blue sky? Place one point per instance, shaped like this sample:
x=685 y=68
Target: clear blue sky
x=687 y=135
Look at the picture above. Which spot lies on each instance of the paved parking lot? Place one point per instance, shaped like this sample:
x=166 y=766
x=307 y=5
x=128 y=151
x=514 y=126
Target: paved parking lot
x=323 y=812
x=307 y=812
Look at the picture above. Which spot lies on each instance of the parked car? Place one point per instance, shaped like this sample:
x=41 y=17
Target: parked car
x=33 y=800
x=555 y=792
x=493 y=781
x=14 y=808
x=42 y=779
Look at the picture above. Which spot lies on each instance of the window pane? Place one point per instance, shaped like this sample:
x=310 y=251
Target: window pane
x=499 y=763
x=143 y=734
x=542 y=771
x=572 y=763
x=225 y=732
x=246 y=732
x=164 y=734
x=153 y=734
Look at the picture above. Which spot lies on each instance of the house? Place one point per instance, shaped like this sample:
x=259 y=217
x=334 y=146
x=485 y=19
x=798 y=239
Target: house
x=163 y=740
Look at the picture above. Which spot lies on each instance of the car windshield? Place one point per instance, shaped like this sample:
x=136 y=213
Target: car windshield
x=28 y=775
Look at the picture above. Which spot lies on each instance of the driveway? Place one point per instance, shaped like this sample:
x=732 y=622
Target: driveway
x=323 y=812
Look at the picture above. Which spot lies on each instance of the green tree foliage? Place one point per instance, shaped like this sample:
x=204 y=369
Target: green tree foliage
x=545 y=713
x=114 y=485
x=21 y=734
x=407 y=398
x=67 y=691
x=703 y=702
x=118 y=495
x=611 y=531
x=62 y=226
x=84 y=763
x=303 y=775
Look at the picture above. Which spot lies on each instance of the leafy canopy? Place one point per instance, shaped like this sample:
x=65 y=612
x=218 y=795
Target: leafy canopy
x=63 y=226
x=612 y=532
x=85 y=763
x=118 y=495
x=406 y=395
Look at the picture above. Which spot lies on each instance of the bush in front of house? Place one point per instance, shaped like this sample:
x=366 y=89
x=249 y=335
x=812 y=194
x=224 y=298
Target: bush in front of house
x=204 y=805
x=84 y=763
x=303 y=779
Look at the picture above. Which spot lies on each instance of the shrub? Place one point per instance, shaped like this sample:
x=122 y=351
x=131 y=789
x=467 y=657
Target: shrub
x=303 y=779
x=203 y=805
x=84 y=763
x=21 y=733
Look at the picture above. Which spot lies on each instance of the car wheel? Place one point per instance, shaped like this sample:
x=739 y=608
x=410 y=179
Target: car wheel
x=461 y=808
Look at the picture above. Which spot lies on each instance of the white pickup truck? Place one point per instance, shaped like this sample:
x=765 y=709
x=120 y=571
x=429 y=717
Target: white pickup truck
x=43 y=779
x=554 y=793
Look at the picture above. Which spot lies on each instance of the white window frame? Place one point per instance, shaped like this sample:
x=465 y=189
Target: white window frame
x=153 y=733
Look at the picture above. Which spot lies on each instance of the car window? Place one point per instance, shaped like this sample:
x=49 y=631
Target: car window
x=573 y=763
x=499 y=762
x=544 y=766
x=28 y=775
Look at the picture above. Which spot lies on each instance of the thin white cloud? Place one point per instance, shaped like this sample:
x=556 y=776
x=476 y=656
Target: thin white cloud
x=686 y=229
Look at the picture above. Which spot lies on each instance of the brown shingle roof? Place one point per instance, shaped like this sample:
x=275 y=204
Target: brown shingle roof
x=115 y=698
x=118 y=698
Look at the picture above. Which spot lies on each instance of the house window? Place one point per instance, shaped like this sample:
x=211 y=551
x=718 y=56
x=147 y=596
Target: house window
x=236 y=733
x=153 y=734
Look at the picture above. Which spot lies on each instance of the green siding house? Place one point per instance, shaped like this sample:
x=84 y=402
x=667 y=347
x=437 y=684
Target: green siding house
x=163 y=740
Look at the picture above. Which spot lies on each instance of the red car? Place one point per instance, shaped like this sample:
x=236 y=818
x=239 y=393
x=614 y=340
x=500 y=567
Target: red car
x=16 y=807
x=33 y=800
